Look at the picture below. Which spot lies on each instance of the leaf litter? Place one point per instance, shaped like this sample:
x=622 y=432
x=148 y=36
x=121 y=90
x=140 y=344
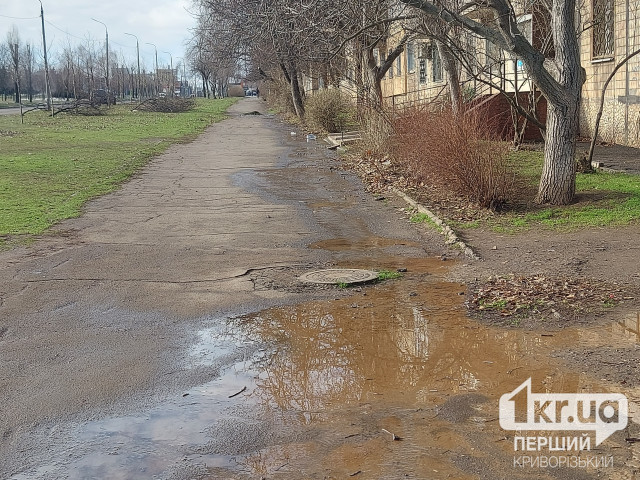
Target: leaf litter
x=559 y=301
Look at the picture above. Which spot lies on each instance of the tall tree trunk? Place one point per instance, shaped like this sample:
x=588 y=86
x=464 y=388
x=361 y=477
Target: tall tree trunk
x=298 y=103
x=558 y=180
x=296 y=94
x=373 y=81
x=450 y=67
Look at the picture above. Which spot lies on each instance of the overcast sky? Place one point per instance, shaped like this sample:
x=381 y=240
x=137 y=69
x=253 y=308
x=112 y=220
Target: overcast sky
x=166 y=23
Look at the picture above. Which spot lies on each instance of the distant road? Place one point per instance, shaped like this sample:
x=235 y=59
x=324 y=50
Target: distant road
x=9 y=111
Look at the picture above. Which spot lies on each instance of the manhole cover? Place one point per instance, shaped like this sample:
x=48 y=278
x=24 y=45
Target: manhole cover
x=339 y=275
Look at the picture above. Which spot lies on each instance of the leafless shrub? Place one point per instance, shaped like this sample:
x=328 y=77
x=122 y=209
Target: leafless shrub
x=167 y=105
x=330 y=110
x=377 y=130
x=279 y=96
x=457 y=153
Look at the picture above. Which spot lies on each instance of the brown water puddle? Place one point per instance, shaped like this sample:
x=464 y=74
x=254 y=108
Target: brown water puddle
x=319 y=390
x=399 y=359
x=360 y=245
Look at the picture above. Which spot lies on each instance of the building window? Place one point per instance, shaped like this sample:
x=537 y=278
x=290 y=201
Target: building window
x=411 y=59
x=525 y=25
x=493 y=58
x=399 y=65
x=391 y=68
x=436 y=64
x=423 y=55
x=603 y=24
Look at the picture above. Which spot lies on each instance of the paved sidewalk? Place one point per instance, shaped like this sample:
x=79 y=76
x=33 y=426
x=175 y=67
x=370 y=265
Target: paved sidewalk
x=89 y=317
x=95 y=319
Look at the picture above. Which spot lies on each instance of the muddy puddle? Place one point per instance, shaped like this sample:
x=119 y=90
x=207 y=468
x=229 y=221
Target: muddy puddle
x=393 y=381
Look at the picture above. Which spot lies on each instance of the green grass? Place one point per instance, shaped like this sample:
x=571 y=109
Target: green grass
x=495 y=305
x=388 y=275
x=421 y=218
x=602 y=199
x=49 y=167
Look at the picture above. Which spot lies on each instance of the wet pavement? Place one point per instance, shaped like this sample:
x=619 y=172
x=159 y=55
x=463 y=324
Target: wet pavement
x=265 y=377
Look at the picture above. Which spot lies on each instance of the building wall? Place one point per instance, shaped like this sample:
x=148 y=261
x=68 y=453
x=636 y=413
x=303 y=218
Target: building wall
x=621 y=118
x=621 y=115
x=412 y=87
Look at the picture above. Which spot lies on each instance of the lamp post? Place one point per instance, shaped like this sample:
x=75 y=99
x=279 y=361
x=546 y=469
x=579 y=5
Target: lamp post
x=106 y=36
x=46 y=63
x=156 y=74
x=138 y=53
x=173 y=81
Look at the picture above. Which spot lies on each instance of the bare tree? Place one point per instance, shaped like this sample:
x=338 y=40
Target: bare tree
x=14 y=46
x=559 y=81
x=5 y=70
x=28 y=65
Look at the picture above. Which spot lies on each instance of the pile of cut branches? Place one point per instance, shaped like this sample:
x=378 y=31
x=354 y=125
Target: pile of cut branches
x=166 y=105
x=82 y=106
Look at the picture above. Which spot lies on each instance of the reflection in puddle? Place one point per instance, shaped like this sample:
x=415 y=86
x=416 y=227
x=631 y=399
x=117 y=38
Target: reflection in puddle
x=349 y=244
x=314 y=390
x=629 y=328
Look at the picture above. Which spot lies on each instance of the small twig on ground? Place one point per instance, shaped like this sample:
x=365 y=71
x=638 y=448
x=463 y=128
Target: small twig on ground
x=393 y=435
x=238 y=393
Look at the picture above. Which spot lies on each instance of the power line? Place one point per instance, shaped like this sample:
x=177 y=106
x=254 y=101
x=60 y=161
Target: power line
x=19 y=18
x=66 y=32
x=121 y=45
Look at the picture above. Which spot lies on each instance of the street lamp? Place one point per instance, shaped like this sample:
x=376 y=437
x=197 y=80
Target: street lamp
x=138 y=53
x=46 y=64
x=107 y=46
x=156 y=75
x=173 y=81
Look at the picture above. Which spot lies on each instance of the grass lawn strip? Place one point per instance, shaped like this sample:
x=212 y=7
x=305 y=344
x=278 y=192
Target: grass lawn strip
x=49 y=167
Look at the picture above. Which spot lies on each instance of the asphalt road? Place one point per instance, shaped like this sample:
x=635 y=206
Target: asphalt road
x=9 y=111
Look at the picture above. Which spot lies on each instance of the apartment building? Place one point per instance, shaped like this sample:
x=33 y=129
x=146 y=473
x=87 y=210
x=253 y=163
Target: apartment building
x=610 y=32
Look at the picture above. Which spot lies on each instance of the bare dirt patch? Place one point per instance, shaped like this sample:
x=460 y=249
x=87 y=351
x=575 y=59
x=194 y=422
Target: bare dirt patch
x=538 y=278
x=617 y=365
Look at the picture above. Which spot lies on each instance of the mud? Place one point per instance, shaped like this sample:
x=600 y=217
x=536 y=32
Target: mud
x=166 y=335
x=393 y=381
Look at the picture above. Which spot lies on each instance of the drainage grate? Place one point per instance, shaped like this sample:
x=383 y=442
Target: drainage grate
x=339 y=275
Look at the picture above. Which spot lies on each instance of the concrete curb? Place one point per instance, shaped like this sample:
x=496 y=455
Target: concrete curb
x=450 y=237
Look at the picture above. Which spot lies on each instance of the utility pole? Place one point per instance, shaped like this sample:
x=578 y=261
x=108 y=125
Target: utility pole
x=156 y=75
x=138 y=53
x=173 y=80
x=107 y=47
x=46 y=63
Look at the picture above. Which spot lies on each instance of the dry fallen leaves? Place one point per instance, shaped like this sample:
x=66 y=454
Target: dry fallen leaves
x=537 y=294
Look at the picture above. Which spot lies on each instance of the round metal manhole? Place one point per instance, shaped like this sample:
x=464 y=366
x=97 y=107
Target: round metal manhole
x=339 y=275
